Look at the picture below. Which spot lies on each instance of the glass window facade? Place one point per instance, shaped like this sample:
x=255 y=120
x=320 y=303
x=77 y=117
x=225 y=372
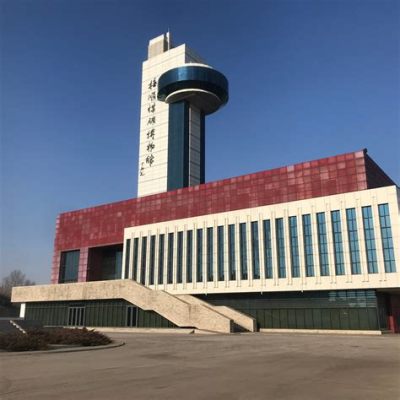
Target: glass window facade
x=189 y=256
x=143 y=261
x=255 y=251
x=337 y=242
x=387 y=239
x=220 y=253
x=322 y=244
x=280 y=247
x=69 y=266
x=243 y=251
x=294 y=247
x=370 y=246
x=170 y=257
x=179 y=258
x=267 y=249
x=308 y=247
x=231 y=252
x=199 y=250
x=161 y=260
x=189 y=76
x=354 y=249
x=118 y=264
x=152 y=258
x=178 y=145
x=204 y=252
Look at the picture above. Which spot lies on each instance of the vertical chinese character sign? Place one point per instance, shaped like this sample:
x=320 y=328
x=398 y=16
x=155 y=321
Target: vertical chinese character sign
x=151 y=131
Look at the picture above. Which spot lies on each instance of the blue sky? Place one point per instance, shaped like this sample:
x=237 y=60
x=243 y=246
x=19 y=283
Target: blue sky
x=308 y=79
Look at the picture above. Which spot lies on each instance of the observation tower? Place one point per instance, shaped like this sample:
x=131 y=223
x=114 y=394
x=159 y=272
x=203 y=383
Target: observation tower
x=178 y=91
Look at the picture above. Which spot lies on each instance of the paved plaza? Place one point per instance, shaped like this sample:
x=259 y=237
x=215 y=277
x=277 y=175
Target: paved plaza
x=197 y=367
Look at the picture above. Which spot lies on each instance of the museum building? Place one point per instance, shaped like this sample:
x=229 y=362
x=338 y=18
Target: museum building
x=313 y=245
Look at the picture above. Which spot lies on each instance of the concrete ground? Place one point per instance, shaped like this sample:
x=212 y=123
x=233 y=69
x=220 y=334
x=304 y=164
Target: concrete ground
x=194 y=367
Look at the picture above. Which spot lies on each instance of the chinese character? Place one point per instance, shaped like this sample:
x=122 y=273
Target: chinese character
x=142 y=169
x=152 y=120
x=151 y=108
x=150 y=147
x=150 y=134
x=150 y=159
x=152 y=96
x=152 y=83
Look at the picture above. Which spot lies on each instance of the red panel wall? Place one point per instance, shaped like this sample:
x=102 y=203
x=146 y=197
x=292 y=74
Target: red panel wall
x=104 y=225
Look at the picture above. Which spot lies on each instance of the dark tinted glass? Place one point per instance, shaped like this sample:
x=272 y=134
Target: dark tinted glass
x=69 y=266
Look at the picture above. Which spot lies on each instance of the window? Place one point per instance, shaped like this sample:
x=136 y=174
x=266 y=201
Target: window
x=179 y=258
x=69 y=266
x=105 y=263
x=337 y=242
x=143 y=261
x=210 y=260
x=170 y=258
x=231 y=252
x=152 y=258
x=135 y=257
x=322 y=245
x=255 y=252
x=178 y=145
x=76 y=316
x=353 y=241
x=294 y=247
x=127 y=257
x=117 y=263
x=308 y=248
x=387 y=239
x=199 y=260
x=220 y=253
x=243 y=250
x=267 y=249
x=280 y=247
x=189 y=256
x=370 y=247
x=131 y=316
x=161 y=259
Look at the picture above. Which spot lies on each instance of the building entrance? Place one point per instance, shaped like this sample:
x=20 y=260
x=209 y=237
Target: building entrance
x=76 y=316
x=131 y=316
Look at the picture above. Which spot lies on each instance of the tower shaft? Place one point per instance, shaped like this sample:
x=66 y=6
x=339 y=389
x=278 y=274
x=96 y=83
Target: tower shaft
x=186 y=142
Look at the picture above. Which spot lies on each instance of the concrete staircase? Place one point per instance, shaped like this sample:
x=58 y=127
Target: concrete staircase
x=8 y=325
x=17 y=326
x=242 y=322
x=183 y=311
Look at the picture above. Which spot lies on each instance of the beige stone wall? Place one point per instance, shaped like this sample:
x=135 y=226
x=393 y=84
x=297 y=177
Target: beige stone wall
x=153 y=174
x=326 y=204
x=169 y=306
x=238 y=318
x=243 y=320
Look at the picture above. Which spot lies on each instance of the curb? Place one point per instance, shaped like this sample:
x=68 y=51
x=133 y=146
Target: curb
x=66 y=350
x=168 y=331
x=324 y=332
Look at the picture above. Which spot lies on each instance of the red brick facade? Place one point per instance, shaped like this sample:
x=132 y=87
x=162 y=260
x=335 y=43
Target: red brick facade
x=104 y=225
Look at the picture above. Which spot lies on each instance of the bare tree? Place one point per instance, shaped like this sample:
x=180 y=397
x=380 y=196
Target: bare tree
x=15 y=278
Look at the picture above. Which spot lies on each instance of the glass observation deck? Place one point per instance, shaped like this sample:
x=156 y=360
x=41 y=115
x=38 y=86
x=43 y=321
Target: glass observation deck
x=200 y=85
